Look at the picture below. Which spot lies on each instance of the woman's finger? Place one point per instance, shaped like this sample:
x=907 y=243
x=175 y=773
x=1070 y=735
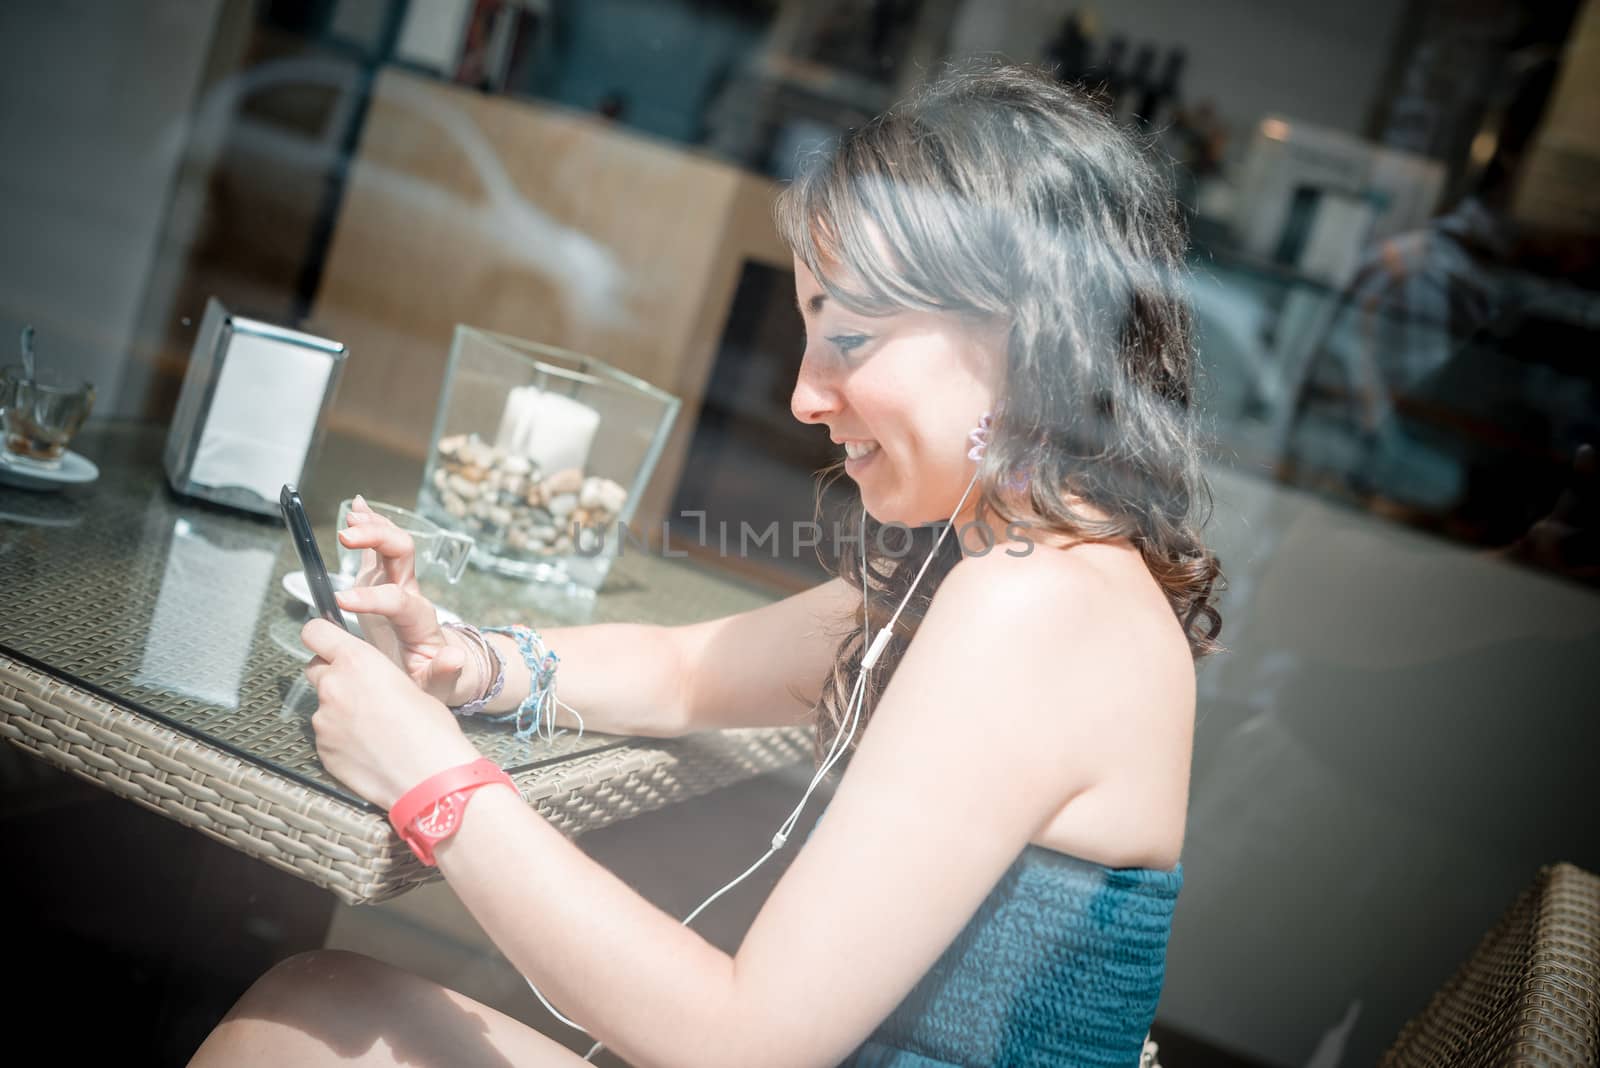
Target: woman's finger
x=329 y=640
x=375 y=532
x=405 y=611
x=408 y=617
x=314 y=670
x=387 y=600
x=394 y=547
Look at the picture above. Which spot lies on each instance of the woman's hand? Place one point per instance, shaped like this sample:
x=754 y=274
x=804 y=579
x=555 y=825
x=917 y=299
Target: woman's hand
x=375 y=731
x=394 y=614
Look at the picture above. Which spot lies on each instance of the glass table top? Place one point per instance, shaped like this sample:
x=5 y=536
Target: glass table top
x=177 y=608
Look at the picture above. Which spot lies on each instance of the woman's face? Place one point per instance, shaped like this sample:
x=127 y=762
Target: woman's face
x=908 y=389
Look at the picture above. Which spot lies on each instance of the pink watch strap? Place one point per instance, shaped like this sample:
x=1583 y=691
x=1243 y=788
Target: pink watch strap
x=441 y=798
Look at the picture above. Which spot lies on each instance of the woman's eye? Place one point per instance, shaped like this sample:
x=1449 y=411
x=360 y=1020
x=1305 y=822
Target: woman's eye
x=848 y=343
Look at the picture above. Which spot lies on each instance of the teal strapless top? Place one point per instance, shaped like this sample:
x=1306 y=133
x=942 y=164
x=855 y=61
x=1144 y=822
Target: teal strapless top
x=1061 y=965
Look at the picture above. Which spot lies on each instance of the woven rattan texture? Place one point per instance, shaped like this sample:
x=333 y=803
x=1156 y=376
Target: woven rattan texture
x=346 y=848
x=171 y=670
x=177 y=608
x=1530 y=992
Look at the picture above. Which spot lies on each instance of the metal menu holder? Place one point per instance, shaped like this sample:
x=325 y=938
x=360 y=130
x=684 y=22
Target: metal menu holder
x=249 y=416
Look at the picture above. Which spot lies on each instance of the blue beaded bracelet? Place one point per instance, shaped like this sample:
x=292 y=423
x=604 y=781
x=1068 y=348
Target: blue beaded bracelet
x=541 y=700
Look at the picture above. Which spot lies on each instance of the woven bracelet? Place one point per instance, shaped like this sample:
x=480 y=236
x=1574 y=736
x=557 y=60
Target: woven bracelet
x=541 y=699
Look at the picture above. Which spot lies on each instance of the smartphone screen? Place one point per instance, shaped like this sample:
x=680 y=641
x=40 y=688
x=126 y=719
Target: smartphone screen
x=305 y=545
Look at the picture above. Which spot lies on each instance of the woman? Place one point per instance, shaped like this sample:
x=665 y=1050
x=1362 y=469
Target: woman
x=990 y=262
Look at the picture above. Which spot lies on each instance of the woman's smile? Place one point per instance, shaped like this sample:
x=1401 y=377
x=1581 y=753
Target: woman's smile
x=859 y=452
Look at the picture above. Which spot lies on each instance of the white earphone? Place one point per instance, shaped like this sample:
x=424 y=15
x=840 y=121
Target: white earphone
x=841 y=741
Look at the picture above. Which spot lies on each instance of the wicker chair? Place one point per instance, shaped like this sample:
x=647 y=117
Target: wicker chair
x=1530 y=992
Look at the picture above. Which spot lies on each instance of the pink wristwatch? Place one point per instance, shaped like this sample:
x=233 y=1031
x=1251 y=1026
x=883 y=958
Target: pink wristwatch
x=431 y=811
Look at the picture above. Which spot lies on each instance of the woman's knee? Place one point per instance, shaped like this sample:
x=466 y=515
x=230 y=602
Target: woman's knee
x=316 y=1003
x=318 y=983
x=328 y=1005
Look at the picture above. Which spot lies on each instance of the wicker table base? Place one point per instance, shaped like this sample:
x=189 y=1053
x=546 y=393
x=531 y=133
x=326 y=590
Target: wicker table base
x=349 y=850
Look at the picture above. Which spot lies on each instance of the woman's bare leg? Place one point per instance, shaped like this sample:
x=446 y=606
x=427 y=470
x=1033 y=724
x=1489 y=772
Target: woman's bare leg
x=332 y=1007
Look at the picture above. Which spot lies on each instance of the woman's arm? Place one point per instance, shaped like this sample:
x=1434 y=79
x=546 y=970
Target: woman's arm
x=623 y=678
x=759 y=668
x=765 y=667
x=971 y=750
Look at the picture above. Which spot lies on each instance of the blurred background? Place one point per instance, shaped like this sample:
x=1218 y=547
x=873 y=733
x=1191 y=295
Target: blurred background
x=1395 y=218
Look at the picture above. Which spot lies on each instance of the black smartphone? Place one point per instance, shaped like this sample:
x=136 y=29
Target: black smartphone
x=305 y=545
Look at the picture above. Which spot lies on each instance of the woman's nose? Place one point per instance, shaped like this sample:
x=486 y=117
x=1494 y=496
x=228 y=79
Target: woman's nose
x=814 y=397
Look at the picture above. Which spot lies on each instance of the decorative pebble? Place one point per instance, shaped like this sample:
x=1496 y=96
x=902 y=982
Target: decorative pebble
x=602 y=494
x=568 y=480
x=513 y=507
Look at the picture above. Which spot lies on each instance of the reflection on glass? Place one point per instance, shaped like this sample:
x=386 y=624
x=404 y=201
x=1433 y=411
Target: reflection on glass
x=299 y=699
x=205 y=615
x=32 y=509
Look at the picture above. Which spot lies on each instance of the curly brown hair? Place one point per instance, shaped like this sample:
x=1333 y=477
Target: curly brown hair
x=997 y=193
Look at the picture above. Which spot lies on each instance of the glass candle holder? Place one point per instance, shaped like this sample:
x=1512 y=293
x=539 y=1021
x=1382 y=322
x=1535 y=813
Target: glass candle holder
x=541 y=455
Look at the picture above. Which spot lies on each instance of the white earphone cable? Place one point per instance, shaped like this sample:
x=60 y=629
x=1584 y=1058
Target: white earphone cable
x=841 y=741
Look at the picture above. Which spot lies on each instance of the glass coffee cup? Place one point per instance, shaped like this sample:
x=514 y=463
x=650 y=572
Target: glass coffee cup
x=40 y=415
x=437 y=549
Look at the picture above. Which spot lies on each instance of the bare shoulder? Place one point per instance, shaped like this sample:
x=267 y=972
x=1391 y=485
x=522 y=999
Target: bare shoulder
x=1104 y=584
x=1094 y=633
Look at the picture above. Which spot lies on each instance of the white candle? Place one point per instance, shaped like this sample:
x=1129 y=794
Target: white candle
x=553 y=431
x=505 y=438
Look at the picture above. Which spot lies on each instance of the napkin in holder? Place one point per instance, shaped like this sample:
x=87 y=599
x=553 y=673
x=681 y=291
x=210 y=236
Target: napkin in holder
x=249 y=416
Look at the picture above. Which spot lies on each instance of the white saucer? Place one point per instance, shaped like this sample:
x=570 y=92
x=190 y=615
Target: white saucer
x=294 y=584
x=73 y=469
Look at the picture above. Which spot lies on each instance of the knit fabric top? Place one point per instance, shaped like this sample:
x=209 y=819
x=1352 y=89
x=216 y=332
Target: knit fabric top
x=1061 y=965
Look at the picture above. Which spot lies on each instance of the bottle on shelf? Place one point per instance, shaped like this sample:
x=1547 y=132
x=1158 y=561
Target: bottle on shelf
x=1137 y=83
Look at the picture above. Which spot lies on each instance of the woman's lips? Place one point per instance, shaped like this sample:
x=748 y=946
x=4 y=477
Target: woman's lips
x=854 y=464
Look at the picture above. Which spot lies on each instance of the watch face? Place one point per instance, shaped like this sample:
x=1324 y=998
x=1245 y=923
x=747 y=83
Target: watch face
x=440 y=821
